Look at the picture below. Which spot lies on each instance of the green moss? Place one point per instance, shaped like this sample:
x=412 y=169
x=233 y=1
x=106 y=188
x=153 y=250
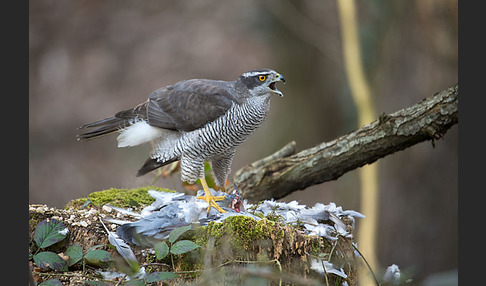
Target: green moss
x=189 y=262
x=33 y=223
x=214 y=229
x=119 y=197
x=275 y=217
x=149 y=258
x=243 y=231
x=320 y=248
x=260 y=215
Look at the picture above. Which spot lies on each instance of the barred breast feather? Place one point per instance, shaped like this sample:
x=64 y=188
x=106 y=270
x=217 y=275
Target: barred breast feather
x=216 y=140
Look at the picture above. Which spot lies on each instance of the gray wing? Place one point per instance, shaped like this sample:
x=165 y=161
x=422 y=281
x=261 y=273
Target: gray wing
x=186 y=105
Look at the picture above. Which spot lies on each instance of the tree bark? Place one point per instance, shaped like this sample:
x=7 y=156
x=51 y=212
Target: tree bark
x=285 y=171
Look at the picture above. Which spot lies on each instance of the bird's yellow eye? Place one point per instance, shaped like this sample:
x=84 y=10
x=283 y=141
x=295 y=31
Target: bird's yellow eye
x=262 y=78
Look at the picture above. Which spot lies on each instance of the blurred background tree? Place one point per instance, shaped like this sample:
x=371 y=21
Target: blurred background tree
x=90 y=59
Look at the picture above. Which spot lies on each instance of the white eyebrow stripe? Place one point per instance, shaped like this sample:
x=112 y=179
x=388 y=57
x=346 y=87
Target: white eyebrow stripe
x=254 y=73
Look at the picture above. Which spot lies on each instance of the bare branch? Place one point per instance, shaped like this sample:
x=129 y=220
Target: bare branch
x=285 y=172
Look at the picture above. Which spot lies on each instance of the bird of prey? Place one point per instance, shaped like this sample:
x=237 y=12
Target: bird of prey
x=194 y=121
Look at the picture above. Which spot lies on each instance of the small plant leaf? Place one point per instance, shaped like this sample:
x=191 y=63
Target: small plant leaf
x=176 y=233
x=159 y=276
x=95 y=283
x=49 y=232
x=135 y=283
x=183 y=246
x=97 y=246
x=161 y=250
x=75 y=253
x=98 y=258
x=51 y=282
x=48 y=259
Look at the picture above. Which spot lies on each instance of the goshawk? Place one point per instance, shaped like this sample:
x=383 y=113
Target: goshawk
x=194 y=121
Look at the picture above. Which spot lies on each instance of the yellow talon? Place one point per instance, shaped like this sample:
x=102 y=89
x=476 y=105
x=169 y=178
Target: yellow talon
x=209 y=198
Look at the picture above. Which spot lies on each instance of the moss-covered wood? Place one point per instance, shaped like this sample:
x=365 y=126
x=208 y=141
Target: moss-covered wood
x=123 y=198
x=234 y=251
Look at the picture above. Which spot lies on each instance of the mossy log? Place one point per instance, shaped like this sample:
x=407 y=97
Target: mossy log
x=235 y=251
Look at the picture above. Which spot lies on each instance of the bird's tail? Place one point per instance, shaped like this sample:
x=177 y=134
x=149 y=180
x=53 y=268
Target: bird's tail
x=103 y=127
x=152 y=164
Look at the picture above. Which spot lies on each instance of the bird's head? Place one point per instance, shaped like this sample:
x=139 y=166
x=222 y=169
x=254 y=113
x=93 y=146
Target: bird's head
x=261 y=82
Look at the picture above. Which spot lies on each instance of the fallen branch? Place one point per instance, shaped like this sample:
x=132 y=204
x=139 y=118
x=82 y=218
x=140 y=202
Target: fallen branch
x=285 y=171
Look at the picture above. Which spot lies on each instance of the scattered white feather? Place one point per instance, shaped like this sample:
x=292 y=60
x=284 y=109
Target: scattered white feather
x=392 y=274
x=339 y=225
x=64 y=231
x=116 y=221
x=176 y=209
x=353 y=214
x=138 y=133
x=195 y=210
x=161 y=199
x=323 y=230
x=124 y=211
x=110 y=275
x=140 y=274
x=124 y=249
x=171 y=210
x=316 y=265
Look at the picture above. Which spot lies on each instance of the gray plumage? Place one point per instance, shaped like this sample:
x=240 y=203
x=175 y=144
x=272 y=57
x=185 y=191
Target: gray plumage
x=173 y=210
x=194 y=121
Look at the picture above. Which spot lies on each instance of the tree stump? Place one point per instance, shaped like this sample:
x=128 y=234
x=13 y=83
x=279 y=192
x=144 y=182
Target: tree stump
x=235 y=251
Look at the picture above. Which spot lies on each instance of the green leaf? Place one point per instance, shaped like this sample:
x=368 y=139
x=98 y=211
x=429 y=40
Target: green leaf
x=176 y=233
x=159 y=276
x=98 y=258
x=51 y=282
x=49 y=232
x=75 y=253
x=95 y=283
x=48 y=259
x=183 y=246
x=135 y=283
x=161 y=250
x=98 y=246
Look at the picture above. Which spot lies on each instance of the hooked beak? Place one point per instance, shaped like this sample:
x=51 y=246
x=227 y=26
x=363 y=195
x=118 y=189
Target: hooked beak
x=272 y=86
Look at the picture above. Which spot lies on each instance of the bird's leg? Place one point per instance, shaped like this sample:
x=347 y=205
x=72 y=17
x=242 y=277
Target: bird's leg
x=209 y=198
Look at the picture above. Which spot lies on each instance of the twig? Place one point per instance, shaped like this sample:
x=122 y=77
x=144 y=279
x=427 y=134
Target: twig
x=121 y=280
x=332 y=250
x=325 y=272
x=369 y=267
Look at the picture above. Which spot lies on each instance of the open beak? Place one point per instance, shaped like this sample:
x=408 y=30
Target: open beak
x=273 y=87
